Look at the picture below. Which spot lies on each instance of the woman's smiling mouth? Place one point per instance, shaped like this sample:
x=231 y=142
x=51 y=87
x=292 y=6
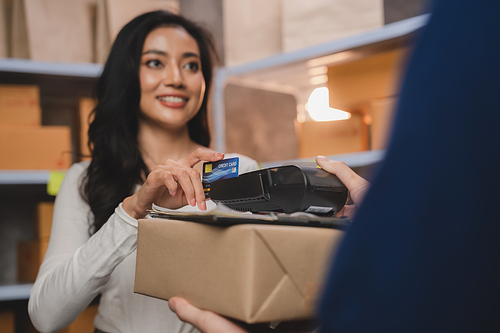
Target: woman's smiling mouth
x=172 y=101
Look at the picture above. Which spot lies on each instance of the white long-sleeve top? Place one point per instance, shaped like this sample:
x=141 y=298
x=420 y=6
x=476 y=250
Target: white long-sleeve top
x=78 y=266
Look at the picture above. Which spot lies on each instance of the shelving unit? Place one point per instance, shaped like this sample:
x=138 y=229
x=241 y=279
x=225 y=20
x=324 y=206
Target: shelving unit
x=61 y=87
x=288 y=72
x=15 y=292
x=18 y=177
x=354 y=160
x=77 y=70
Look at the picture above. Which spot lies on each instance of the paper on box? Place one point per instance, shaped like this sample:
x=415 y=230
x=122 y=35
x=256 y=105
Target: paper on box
x=254 y=273
x=20 y=105
x=45 y=147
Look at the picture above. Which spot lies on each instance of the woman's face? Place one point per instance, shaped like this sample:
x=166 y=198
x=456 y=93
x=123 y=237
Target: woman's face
x=172 y=83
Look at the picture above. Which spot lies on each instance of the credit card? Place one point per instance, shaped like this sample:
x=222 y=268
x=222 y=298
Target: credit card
x=223 y=169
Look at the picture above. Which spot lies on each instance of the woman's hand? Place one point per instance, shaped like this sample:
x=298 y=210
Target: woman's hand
x=172 y=184
x=356 y=185
x=205 y=321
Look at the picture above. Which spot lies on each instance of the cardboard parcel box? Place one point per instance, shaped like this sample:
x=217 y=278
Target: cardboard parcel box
x=250 y=272
x=35 y=148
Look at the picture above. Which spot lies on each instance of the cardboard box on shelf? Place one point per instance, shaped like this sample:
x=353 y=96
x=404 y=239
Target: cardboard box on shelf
x=20 y=105
x=45 y=212
x=112 y=15
x=4 y=28
x=332 y=137
x=253 y=273
x=7 y=322
x=29 y=258
x=381 y=112
x=85 y=107
x=356 y=82
x=252 y=30
x=45 y=147
x=67 y=22
x=306 y=23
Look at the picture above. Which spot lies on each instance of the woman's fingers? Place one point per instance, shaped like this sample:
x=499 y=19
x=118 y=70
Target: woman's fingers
x=201 y=154
x=189 y=180
x=182 y=182
x=170 y=182
x=356 y=185
x=205 y=321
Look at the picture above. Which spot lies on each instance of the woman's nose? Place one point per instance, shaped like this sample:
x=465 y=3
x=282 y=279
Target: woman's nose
x=173 y=77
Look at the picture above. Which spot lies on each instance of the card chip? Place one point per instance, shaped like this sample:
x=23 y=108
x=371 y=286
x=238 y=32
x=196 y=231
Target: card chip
x=213 y=171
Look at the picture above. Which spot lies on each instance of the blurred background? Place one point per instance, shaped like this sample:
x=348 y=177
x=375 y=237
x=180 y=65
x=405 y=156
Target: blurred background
x=296 y=79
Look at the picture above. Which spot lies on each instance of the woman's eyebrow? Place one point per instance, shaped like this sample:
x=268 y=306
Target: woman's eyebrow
x=163 y=53
x=190 y=54
x=155 y=52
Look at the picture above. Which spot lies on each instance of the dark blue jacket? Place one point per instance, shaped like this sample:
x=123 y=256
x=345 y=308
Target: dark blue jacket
x=423 y=254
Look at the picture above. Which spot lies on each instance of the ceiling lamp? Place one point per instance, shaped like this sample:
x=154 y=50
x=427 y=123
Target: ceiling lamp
x=318 y=107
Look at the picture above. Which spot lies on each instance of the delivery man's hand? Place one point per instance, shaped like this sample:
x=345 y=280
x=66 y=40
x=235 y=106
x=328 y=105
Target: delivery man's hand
x=356 y=185
x=210 y=322
x=205 y=321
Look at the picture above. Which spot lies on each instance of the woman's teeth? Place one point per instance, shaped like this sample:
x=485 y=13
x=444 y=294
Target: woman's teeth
x=171 y=99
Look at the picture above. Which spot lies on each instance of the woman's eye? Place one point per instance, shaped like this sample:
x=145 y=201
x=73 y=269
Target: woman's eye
x=154 y=63
x=193 y=66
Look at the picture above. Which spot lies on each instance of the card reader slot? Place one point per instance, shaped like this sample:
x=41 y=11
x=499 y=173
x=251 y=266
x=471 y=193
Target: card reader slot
x=329 y=188
x=261 y=199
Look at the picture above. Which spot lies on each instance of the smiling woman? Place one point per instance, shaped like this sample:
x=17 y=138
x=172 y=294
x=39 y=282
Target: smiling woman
x=172 y=84
x=149 y=133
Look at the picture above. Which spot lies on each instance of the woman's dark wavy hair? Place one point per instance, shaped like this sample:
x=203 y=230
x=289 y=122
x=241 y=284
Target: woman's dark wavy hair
x=117 y=165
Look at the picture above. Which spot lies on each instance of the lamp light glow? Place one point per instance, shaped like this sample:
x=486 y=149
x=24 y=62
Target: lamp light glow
x=319 y=109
